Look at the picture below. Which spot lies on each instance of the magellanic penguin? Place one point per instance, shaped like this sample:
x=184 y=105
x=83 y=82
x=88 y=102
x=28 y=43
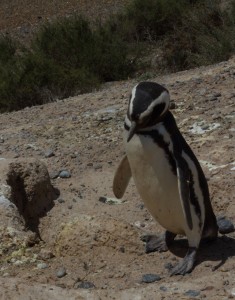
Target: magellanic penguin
x=166 y=173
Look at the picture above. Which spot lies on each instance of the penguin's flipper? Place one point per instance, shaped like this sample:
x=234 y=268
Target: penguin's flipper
x=183 y=174
x=121 y=178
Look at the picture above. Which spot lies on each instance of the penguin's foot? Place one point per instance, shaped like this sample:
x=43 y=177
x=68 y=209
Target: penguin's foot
x=187 y=264
x=158 y=243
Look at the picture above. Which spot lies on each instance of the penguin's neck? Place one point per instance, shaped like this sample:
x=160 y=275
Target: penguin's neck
x=167 y=121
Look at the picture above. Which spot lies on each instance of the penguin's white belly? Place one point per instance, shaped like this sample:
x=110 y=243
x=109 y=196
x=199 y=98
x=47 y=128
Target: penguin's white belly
x=156 y=182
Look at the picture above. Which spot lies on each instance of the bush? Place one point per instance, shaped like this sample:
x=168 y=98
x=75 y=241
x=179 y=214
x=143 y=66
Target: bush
x=206 y=36
x=150 y=19
x=66 y=57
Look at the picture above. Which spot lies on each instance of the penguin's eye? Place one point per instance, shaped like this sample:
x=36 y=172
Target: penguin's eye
x=137 y=117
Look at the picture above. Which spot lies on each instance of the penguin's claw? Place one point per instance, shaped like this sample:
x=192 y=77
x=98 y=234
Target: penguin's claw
x=187 y=264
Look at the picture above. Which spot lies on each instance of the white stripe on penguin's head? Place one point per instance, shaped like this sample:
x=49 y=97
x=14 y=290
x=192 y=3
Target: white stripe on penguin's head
x=132 y=100
x=164 y=98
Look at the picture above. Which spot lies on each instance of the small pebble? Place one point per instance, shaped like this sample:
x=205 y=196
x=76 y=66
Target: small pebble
x=65 y=174
x=212 y=98
x=122 y=249
x=45 y=254
x=192 y=293
x=70 y=206
x=205 y=127
x=61 y=272
x=97 y=166
x=42 y=266
x=225 y=225
x=18 y=262
x=163 y=288
x=60 y=200
x=103 y=199
x=84 y=285
x=149 y=278
x=49 y=153
x=140 y=206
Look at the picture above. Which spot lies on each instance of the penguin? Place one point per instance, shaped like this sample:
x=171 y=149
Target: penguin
x=166 y=173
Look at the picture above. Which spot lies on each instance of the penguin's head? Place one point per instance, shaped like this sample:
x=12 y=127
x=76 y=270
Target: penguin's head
x=148 y=104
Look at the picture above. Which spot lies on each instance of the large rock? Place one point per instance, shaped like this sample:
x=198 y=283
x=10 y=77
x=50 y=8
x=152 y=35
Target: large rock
x=25 y=185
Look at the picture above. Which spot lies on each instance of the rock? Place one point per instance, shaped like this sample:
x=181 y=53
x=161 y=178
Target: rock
x=225 y=225
x=61 y=272
x=212 y=98
x=42 y=266
x=110 y=201
x=84 y=285
x=45 y=254
x=49 y=153
x=97 y=166
x=192 y=293
x=149 y=278
x=65 y=174
x=60 y=200
x=205 y=127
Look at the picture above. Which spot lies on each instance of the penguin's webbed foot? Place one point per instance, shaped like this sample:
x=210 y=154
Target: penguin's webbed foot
x=187 y=264
x=158 y=243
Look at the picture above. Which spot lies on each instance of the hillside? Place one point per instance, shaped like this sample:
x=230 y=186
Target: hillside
x=23 y=17
x=98 y=243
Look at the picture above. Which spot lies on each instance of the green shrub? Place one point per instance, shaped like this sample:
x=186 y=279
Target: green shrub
x=150 y=19
x=206 y=36
x=66 y=57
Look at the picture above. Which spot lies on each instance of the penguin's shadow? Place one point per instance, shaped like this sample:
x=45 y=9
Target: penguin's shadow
x=219 y=250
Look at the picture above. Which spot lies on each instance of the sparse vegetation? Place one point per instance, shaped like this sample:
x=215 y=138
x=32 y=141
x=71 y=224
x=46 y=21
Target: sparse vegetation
x=65 y=58
x=68 y=57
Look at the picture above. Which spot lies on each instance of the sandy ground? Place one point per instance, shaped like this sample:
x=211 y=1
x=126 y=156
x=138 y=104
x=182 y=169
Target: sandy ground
x=98 y=244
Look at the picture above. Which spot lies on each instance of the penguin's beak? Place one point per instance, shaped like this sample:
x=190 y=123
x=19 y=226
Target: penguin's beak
x=132 y=130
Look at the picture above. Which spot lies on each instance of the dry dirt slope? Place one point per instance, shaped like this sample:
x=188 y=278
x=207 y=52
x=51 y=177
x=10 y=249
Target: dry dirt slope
x=22 y=18
x=100 y=243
